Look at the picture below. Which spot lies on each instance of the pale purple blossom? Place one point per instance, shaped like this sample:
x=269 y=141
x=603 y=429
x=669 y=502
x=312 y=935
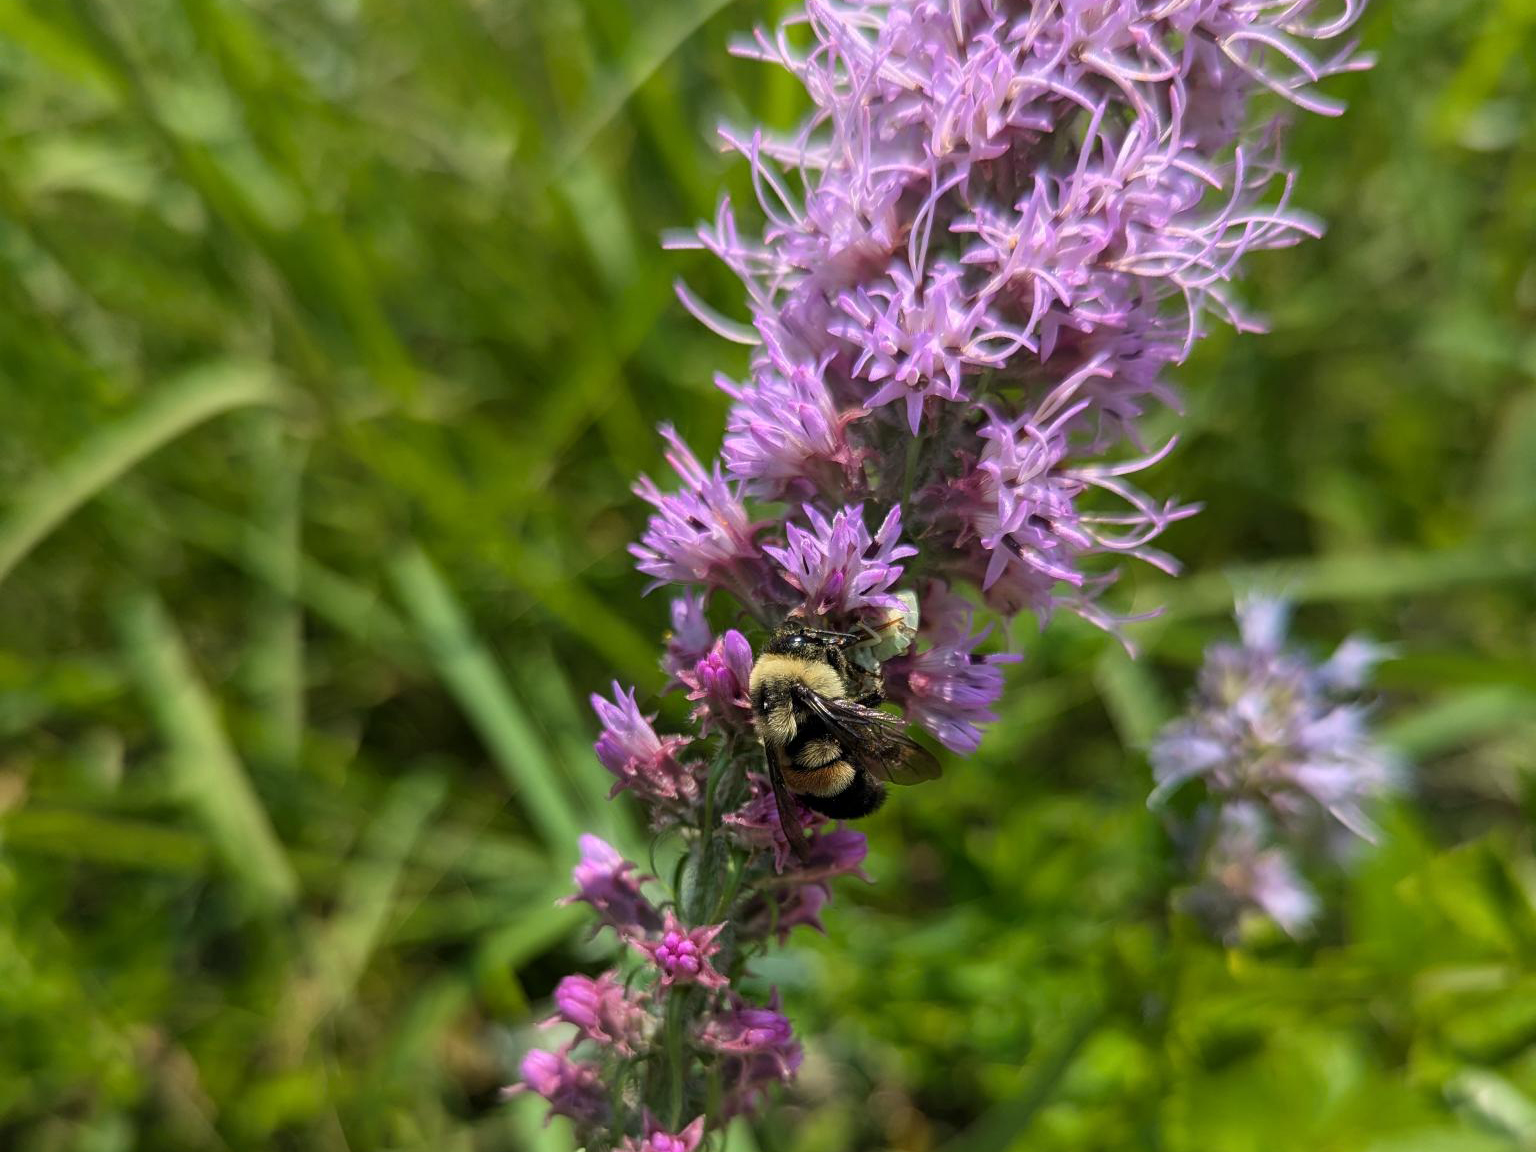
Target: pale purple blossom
x=997 y=227
x=838 y=566
x=787 y=437
x=701 y=534
x=642 y=761
x=604 y=880
x=1245 y=868
x=690 y=639
x=1268 y=724
x=943 y=683
x=1290 y=769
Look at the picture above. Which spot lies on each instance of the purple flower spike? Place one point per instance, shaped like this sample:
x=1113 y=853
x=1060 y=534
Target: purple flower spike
x=681 y=955
x=700 y=534
x=658 y=1139
x=944 y=685
x=572 y=1089
x=968 y=273
x=603 y=880
x=643 y=762
x=831 y=564
x=602 y=1011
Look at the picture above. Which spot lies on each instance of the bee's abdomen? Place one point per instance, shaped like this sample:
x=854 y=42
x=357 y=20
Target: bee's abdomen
x=859 y=797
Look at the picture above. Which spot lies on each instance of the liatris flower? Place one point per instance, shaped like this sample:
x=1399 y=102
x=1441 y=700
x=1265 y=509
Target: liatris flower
x=1287 y=761
x=997 y=227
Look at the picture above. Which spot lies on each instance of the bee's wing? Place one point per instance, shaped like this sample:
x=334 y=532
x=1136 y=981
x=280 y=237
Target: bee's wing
x=874 y=740
x=789 y=818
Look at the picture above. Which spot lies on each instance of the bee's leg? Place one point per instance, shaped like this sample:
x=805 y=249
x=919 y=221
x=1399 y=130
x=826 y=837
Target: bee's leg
x=874 y=697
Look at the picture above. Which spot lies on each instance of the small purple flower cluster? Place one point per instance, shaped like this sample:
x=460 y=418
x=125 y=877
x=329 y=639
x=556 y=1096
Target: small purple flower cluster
x=996 y=228
x=1287 y=762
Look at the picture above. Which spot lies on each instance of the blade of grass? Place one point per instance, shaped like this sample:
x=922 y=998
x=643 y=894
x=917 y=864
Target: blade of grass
x=1135 y=702
x=203 y=763
x=482 y=692
x=77 y=835
x=351 y=608
x=564 y=717
x=1001 y=1126
x=197 y=395
x=660 y=39
x=339 y=948
x=1459 y=717
x=1340 y=578
x=320 y=262
x=274 y=660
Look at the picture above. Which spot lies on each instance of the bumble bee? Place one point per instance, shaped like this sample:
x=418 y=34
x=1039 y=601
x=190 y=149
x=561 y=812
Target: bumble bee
x=826 y=740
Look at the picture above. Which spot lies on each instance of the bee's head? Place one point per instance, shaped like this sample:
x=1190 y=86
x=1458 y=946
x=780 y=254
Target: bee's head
x=794 y=639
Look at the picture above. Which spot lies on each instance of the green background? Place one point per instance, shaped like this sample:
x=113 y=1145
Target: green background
x=332 y=334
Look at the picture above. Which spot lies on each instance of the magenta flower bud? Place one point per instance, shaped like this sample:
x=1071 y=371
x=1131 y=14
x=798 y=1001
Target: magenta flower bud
x=757 y=825
x=681 y=955
x=572 y=1089
x=801 y=904
x=746 y=1029
x=717 y=682
x=758 y=1047
x=603 y=880
x=601 y=1010
x=658 y=1139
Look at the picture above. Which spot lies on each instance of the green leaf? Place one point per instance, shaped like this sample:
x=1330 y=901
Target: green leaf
x=194 y=397
x=203 y=764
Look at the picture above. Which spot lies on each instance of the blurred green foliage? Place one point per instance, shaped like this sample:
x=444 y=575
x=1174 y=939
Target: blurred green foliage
x=333 y=333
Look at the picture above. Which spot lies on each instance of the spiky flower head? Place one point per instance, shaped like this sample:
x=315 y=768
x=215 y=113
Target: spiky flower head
x=1270 y=726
